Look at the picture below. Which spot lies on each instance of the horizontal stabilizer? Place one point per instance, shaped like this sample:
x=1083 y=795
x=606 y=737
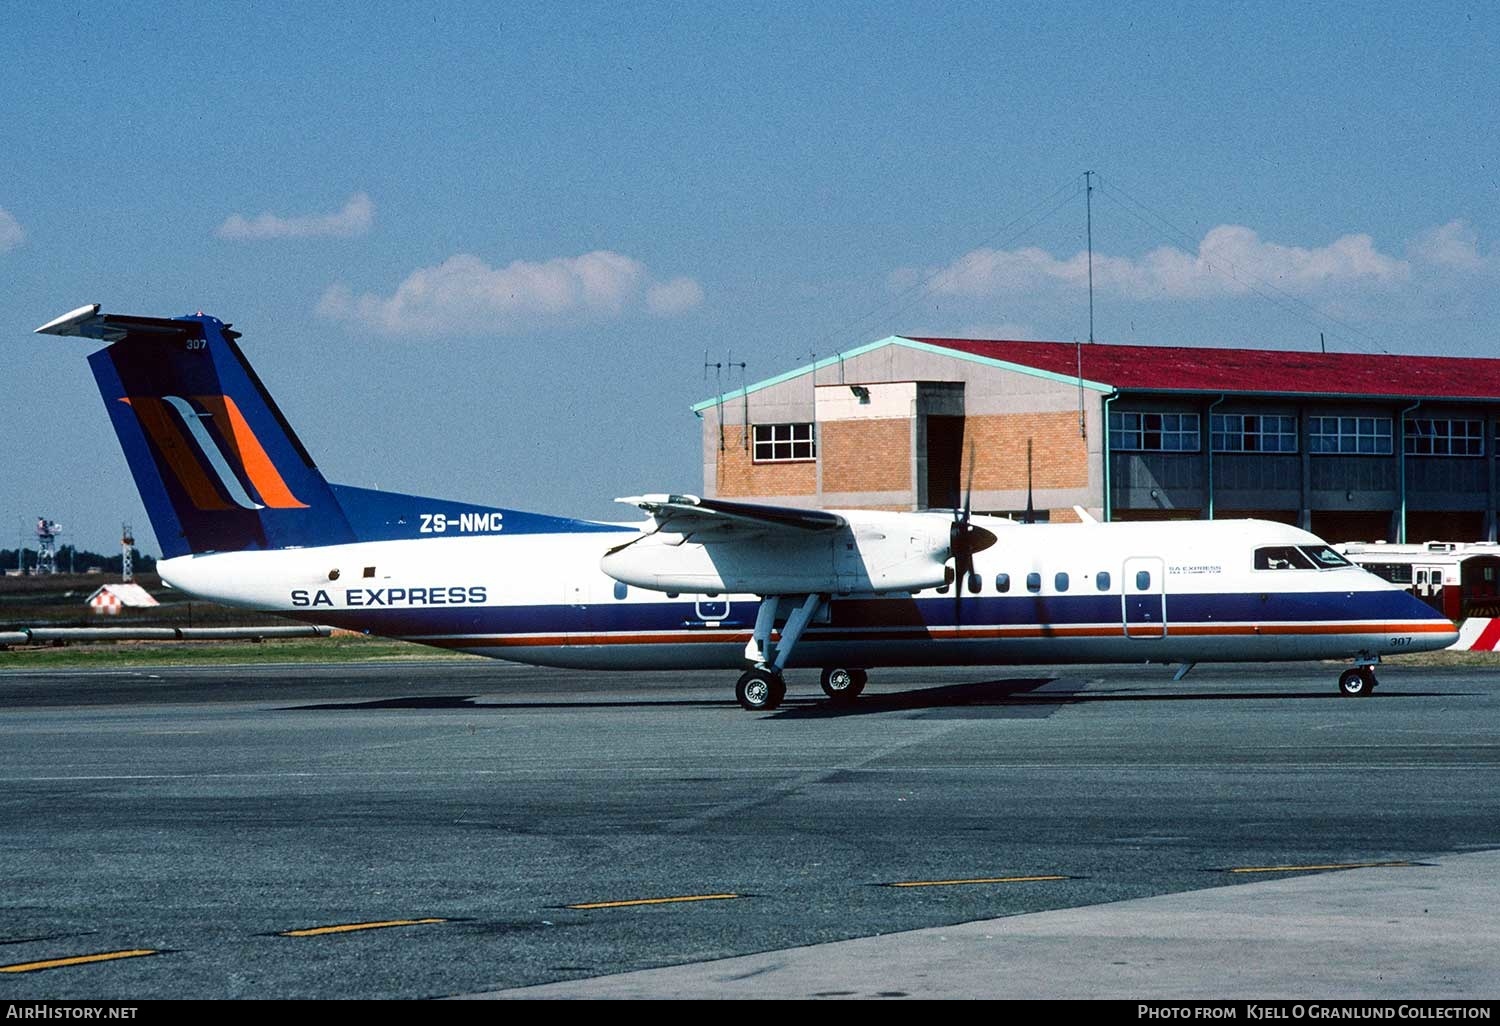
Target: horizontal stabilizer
x=88 y=322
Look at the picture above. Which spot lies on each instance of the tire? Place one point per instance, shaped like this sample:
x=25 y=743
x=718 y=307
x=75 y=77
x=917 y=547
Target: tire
x=840 y=684
x=1356 y=682
x=861 y=678
x=759 y=690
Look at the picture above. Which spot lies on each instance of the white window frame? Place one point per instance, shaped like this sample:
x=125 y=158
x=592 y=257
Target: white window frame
x=1136 y=431
x=784 y=443
x=1253 y=432
x=1349 y=436
x=1444 y=436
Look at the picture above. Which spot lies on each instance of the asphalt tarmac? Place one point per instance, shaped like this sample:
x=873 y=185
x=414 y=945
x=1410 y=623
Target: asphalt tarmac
x=454 y=829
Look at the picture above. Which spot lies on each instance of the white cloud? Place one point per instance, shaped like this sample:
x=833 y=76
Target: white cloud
x=11 y=232
x=354 y=219
x=465 y=293
x=1231 y=260
x=1453 y=245
x=675 y=296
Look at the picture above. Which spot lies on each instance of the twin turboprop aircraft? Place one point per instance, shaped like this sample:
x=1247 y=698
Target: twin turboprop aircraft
x=244 y=517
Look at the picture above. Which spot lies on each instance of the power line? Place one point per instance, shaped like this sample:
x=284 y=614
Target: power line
x=1016 y=228
x=1265 y=290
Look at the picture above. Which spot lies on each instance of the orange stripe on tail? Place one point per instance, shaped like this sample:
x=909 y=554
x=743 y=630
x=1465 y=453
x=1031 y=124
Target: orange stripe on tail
x=252 y=455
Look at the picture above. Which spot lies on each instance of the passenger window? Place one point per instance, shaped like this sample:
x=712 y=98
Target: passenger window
x=1103 y=580
x=975 y=583
x=1061 y=582
x=1142 y=580
x=1002 y=582
x=621 y=589
x=1033 y=582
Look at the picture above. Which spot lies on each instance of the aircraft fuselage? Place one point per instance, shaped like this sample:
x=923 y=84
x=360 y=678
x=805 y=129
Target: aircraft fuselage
x=1053 y=593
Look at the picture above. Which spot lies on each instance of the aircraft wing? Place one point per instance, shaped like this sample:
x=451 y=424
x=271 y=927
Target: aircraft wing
x=686 y=514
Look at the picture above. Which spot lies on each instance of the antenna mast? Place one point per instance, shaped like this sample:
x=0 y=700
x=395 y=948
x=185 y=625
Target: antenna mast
x=1088 y=206
x=719 y=398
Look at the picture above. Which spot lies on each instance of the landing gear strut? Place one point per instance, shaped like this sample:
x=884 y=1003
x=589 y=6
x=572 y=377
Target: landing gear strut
x=1357 y=681
x=761 y=688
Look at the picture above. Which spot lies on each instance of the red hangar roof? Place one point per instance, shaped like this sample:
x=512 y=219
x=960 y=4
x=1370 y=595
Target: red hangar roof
x=1181 y=369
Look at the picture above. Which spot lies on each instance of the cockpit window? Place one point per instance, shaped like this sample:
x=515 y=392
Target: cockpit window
x=1281 y=557
x=1323 y=557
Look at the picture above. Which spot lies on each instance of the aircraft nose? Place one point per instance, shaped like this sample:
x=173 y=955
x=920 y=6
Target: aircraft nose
x=1433 y=629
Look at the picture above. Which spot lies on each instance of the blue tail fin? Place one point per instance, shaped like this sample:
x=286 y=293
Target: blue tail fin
x=217 y=465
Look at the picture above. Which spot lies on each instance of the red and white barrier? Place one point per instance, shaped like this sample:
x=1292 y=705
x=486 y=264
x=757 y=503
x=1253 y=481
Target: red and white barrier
x=1478 y=634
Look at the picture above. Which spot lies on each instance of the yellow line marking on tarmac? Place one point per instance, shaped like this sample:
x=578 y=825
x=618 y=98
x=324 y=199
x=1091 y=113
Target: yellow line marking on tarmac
x=318 y=931
x=58 y=963
x=654 y=901
x=1308 y=869
x=979 y=880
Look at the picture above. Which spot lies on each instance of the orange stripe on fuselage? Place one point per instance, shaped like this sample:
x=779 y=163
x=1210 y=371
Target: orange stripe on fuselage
x=252 y=455
x=174 y=449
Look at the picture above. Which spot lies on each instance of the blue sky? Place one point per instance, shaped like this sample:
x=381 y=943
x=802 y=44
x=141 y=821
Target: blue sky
x=481 y=251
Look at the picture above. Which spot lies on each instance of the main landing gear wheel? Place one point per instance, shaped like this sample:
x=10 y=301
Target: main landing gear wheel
x=1357 y=682
x=843 y=685
x=760 y=690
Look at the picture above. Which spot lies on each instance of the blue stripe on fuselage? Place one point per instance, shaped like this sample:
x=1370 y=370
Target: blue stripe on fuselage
x=924 y=613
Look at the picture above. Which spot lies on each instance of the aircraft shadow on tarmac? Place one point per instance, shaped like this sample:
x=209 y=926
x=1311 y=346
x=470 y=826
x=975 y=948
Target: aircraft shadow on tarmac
x=1020 y=698
x=981 y=693
x=1009 y=698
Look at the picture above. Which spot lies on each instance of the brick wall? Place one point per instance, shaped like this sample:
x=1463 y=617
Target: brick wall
x=1059 y=456
x=866 y=456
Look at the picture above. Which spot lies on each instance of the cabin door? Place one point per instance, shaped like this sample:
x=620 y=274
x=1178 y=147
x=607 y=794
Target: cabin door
x=1143 y=597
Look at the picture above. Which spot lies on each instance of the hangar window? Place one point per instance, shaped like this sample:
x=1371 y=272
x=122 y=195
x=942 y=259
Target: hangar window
x=1281 y=557
x=1002 y=582
x=1153 y=432
x=1365 y=436
x=1439 y=437
x=1248 y=432
x=783 y=443
x=1033 y=582
x=1102 y=579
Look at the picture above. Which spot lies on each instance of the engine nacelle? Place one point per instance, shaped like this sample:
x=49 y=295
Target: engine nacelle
x=875 y=552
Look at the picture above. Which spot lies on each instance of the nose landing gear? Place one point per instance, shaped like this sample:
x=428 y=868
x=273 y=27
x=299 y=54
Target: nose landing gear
x=843 y=685
x=1357 y=681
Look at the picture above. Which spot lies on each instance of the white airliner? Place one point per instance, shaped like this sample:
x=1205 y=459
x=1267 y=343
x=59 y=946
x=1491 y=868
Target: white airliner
x=244 y=517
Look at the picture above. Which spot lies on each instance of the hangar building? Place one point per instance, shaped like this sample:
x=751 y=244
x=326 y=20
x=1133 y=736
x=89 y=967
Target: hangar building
x=1351 y=447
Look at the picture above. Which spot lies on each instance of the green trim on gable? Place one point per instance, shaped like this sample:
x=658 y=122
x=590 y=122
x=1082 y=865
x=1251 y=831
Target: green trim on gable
x=909 y=343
